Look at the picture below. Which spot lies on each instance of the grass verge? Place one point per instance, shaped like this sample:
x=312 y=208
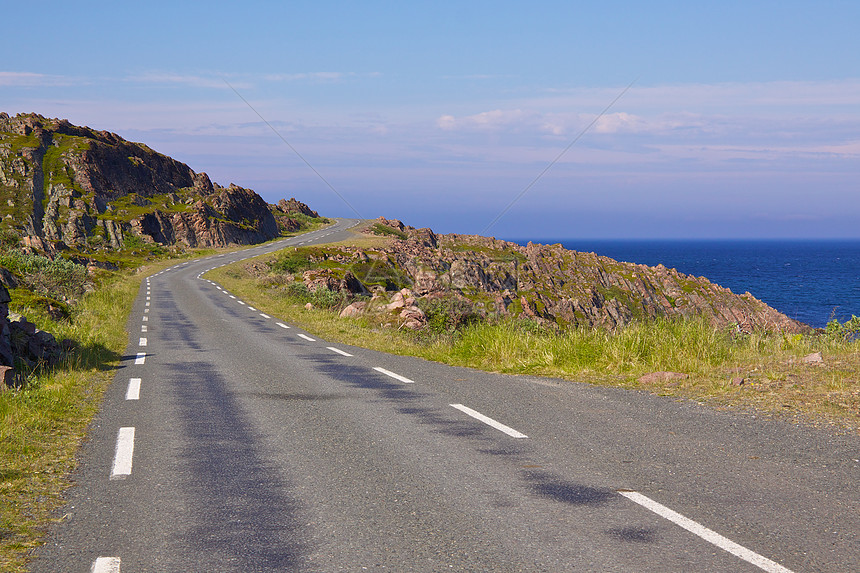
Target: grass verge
x=726 y=369
x=42 y=425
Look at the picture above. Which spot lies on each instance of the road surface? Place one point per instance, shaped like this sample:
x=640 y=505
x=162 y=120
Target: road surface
x=233 y=441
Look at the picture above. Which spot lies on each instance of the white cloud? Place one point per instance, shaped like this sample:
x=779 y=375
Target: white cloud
x=190 y=80
x=773 y=96
x=487 y=120
x=318 y=76
x=32 y=79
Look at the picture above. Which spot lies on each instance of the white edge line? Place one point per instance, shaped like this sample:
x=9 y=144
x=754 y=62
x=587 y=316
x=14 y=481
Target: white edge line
x=124 y=453
x=106 y=565
x=394 y=375
x=306 y=337
x=705 y=533
x=264 y=315
x=133 y=392
x=339 y=351
x=489 y=421
x=282 y=325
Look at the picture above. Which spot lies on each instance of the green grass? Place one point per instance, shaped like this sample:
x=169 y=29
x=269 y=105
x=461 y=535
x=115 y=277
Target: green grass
x=42 y=425
x=775 y=380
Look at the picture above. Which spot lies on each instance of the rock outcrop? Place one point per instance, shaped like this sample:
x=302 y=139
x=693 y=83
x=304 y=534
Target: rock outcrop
x=546 y=283
x=67 y=186
x=22 y=344
x=288 y=214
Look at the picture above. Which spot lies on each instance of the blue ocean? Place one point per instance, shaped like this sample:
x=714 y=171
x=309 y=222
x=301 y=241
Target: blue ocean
x=812 y=281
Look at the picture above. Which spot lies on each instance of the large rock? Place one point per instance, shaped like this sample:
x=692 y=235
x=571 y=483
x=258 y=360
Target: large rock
x=71 y=185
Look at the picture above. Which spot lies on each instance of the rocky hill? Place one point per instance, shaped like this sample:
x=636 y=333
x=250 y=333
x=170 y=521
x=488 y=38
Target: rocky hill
x=69 y=187
x=546 y=283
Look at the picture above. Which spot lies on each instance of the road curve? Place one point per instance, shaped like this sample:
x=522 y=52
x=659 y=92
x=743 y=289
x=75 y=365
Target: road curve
x=233 y=441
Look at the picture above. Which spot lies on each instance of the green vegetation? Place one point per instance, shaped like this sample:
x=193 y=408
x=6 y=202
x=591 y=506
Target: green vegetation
x=380 y=273
x=496 y=255
x=43 y=424
x=54 y=169
x=296 y=260
x=846 y=331
x=19 y=201
x=133 y=206
x=59 y=278
x=380 y=229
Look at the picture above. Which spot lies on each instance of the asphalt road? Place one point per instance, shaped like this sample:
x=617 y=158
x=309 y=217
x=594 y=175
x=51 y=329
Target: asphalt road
x=231 y=441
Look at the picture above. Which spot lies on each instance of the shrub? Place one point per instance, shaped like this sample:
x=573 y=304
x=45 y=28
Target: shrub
x=132 y=242
x=380 y=229
x=845 y=331
x=293 y=262
x=447 y=315
x=60 y=278
x=381 y=273
x=328 y=299
x=298 y=291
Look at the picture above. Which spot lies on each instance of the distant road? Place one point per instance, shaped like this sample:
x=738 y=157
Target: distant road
x=233 y=441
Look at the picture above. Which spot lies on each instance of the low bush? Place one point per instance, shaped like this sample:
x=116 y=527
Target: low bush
x=846 y=331
x=58 y=277
x=295 y=261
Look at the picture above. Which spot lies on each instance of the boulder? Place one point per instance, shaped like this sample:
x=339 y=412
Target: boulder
x=354 y=310
x=814 y=358
x=658 y=377
x=7 y=377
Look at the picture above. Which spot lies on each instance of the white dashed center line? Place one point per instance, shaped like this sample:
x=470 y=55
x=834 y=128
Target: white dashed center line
x=143 y=328
x=106 y=565
x=339 y=351
x=124 y=452
x=394 y=375
x=705 y=533
x=141 y=358
x=145 y=318
x=142 y=342
x=306 y=337
x=489 y=421
x=133 y=392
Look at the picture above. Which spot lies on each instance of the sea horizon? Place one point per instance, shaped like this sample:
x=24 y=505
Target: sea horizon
x=811 y=280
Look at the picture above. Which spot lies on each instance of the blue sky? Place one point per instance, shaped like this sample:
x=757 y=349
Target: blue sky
x=743 y=120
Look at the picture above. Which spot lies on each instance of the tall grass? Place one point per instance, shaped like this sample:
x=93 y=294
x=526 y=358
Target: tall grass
x=690 y=346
